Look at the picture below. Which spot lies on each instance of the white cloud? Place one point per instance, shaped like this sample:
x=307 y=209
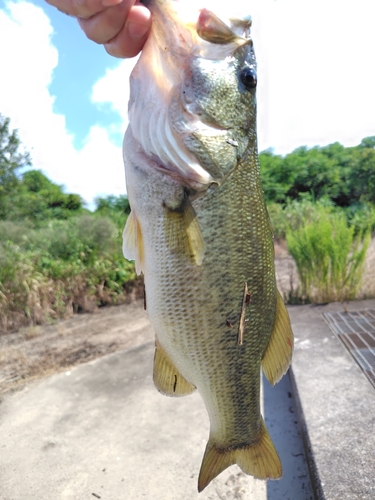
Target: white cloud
x=27 y=62
x=319 y=75
x=315 y=86
x=29 y=59
x=103 y=165
x=113 y=88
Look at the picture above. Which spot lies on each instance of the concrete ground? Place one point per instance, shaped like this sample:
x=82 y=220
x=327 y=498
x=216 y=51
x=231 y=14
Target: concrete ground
x=336 y=405
x=103 y=431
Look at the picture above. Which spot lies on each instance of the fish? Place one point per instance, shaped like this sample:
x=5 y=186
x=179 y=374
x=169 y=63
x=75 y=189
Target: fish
x=199 y=230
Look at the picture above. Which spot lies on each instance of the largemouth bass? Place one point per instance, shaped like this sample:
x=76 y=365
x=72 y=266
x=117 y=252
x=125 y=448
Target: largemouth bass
x=200 y=232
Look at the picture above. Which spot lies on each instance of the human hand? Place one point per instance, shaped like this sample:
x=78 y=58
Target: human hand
x=121 y=26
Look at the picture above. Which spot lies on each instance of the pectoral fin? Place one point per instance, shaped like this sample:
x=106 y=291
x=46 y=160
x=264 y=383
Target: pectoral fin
x=278 y=355
x=183 y=233
x=132 y=247
x=167 y=379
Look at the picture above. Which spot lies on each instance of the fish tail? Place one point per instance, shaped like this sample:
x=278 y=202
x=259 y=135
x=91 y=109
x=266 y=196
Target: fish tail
x=259 y=459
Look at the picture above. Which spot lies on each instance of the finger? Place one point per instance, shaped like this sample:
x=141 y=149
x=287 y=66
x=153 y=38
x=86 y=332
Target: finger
x=105 y=25
x=131 y=38
x=85 y=8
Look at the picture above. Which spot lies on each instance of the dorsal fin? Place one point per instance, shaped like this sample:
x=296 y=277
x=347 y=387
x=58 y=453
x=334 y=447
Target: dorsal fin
x=212 y=29
x=278 y=354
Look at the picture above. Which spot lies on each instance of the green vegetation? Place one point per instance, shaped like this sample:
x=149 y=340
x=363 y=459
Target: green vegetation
x=322 y=200
x=63 y=267
x=346 y=176
x=12 y=159
x=294 y=214
x=56 y=257
x=328 y=255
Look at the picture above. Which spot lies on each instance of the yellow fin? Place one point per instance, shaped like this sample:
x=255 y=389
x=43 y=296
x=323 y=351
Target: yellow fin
x=132 y=246
x=259 y=459
x=183 y=232
x=278 y=355
x=167 y=379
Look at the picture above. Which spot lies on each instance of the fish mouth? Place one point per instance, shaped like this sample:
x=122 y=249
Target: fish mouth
x=164 y=113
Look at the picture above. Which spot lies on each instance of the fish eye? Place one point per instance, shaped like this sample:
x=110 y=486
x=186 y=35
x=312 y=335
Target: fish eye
x=248 y=77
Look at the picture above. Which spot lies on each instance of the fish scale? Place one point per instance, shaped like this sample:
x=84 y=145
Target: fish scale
x=204 y=242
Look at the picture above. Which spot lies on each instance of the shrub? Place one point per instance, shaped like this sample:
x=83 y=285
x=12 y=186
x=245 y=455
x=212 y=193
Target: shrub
x=329 y=256
x=361 y=216
x=296 y=214
x=24 y=291
x=65 y=266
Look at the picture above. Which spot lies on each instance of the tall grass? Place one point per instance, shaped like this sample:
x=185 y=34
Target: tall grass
x=24 y=291
x=329 y=256
x=64 y=267
x=296 y=214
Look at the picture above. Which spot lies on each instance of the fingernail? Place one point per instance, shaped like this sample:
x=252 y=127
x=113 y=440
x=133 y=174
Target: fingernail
x=110 y=3
x=137 y=30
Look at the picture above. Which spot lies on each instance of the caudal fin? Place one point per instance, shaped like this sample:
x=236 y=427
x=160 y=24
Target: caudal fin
x=259 y=459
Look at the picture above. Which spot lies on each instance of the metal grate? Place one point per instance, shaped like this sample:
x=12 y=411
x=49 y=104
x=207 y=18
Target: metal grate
x=356 y=329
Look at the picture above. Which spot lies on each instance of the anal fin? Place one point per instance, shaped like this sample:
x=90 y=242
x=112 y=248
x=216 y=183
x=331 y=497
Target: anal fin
x=259 y=459
x=167 y=378
x=278 y=355
x=132 y=247
x=182 y=230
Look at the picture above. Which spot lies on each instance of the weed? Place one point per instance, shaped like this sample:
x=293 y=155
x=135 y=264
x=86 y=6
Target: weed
x=329 y=257
x=65 y=266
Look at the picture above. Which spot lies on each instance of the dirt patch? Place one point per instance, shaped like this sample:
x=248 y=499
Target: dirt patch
x=38 y=351
x=368 y=282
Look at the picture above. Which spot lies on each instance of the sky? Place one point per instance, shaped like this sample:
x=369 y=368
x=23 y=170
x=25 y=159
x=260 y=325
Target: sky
x=68 y=98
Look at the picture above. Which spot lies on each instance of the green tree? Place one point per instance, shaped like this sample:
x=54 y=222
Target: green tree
x=362 y=174
x=319 y=171
x=117 y=208
x=12 y=160
x=40 y=199
x=275 y=177
x=344 y=175
x=113 y=204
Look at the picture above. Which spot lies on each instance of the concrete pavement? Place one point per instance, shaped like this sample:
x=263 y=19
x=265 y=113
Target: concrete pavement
x=336 y=404
x=103 y=431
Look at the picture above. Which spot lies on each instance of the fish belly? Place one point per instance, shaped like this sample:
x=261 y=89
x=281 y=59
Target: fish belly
x=196 y=310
